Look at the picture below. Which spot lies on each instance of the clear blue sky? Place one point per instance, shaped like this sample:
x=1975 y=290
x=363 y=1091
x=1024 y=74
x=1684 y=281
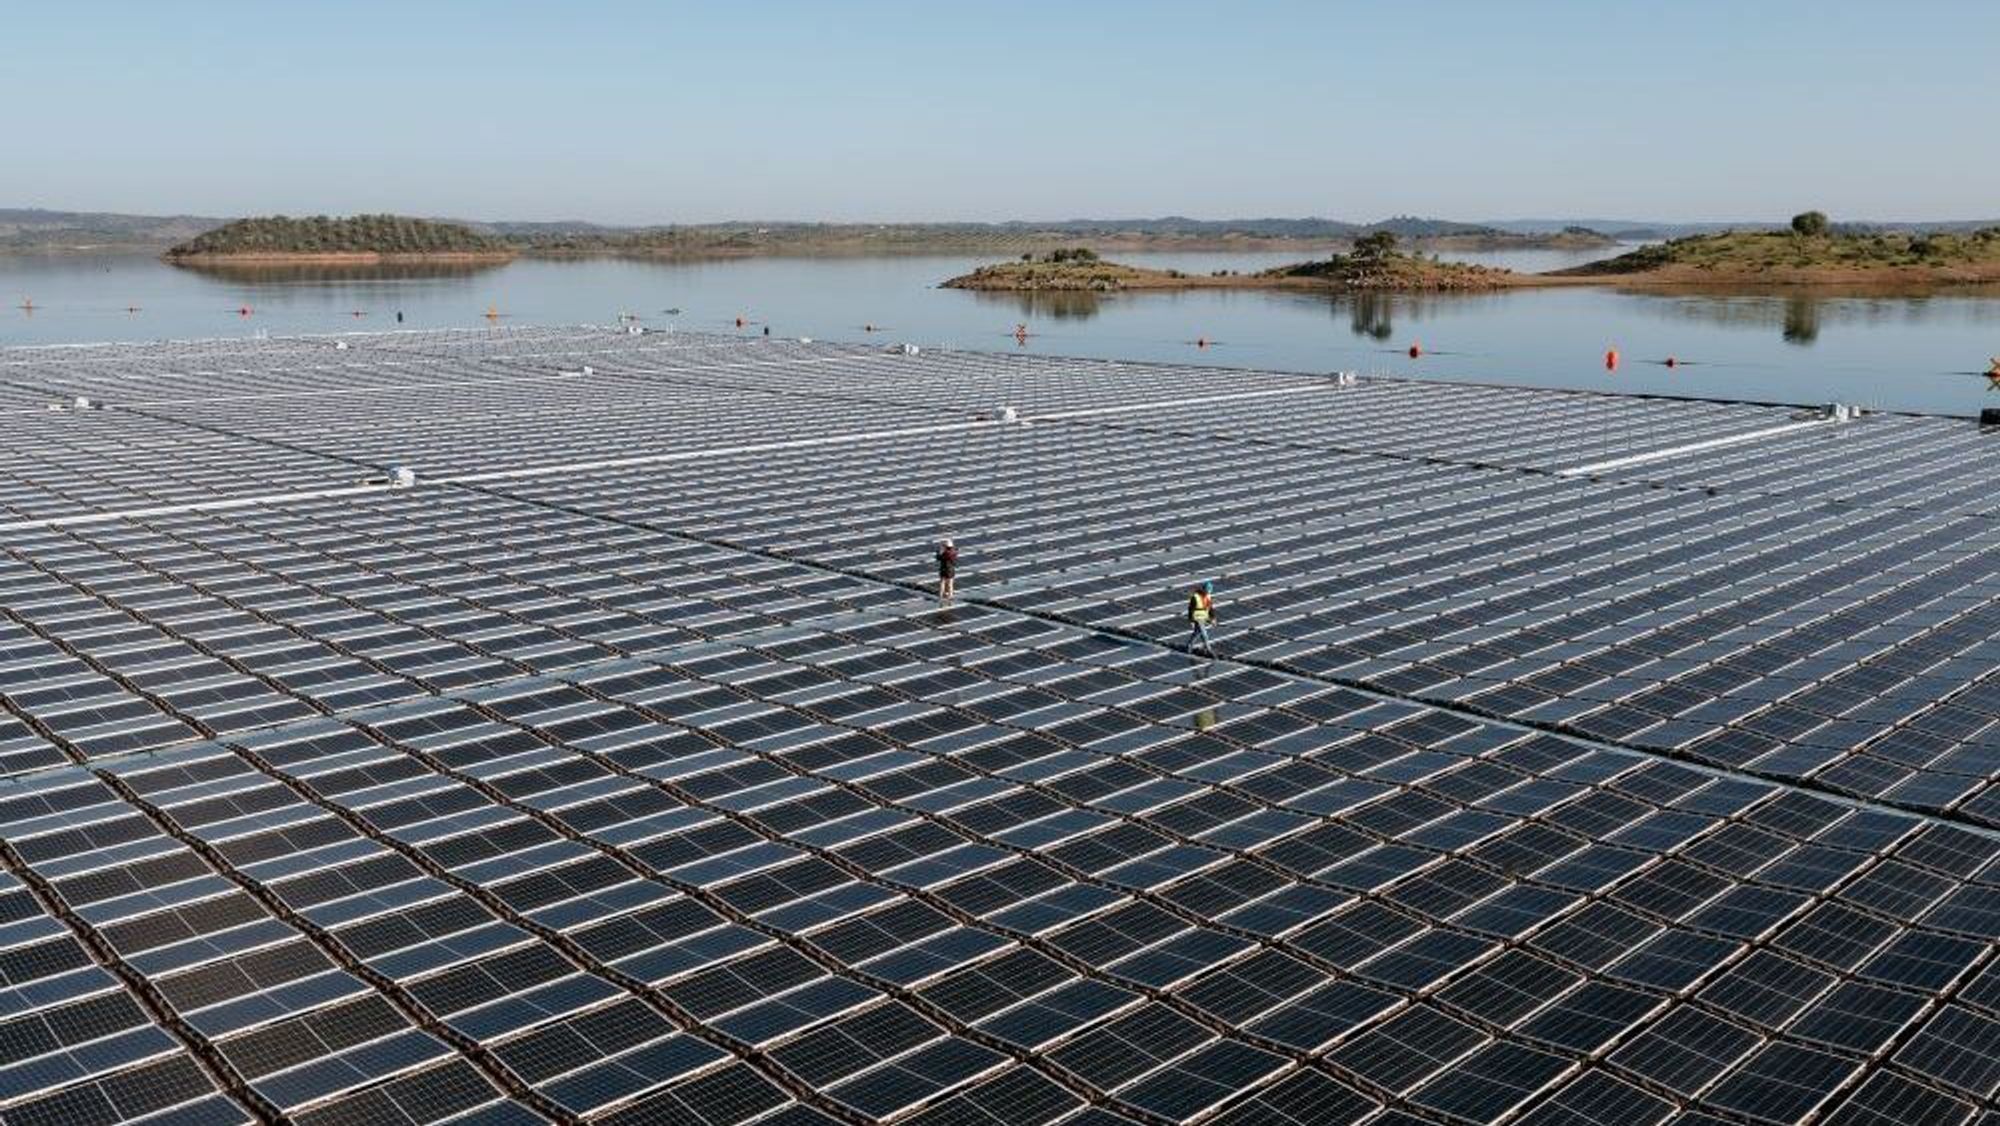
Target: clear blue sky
x=860 y=110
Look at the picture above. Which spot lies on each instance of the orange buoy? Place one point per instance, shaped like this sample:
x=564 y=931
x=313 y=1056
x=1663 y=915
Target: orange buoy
x=1416 y=349
x=492 y=313
x=739 y=322
x=1611 y=359
x=243 y=310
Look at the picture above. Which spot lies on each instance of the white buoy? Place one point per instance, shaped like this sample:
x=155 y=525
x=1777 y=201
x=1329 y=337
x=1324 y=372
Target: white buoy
x=402 y=477
x=340 y=345
x=1008 y=414
x=83 y=402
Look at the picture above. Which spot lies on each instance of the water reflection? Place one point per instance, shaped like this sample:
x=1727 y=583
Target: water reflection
x=1801 y=315
x=1372 y=315
x=322 y=273
x=1801 y=320
x=1059 y=305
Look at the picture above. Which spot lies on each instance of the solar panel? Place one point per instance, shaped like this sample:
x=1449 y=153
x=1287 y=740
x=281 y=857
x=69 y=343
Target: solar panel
x=622 y=770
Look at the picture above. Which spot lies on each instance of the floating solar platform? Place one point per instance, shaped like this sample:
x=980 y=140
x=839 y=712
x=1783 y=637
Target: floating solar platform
x=1570 y=759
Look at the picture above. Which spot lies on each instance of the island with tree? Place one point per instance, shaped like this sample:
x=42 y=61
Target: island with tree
x=358 y=239
x=1814 y=251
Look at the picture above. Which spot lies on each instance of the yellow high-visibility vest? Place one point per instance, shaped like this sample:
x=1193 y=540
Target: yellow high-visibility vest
x=1200 y=608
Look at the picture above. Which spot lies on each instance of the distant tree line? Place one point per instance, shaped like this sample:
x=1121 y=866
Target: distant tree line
x=319 y=234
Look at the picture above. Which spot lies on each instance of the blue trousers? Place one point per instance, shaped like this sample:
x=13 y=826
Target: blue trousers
x=1200 y=634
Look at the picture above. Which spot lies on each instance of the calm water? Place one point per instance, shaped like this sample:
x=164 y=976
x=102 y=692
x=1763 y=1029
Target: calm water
x=1921 y=353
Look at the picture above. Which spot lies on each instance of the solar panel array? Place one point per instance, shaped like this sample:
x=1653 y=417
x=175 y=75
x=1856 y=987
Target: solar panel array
x=622 y=771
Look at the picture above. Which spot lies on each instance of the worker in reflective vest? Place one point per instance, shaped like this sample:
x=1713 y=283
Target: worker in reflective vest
x=1201 y=612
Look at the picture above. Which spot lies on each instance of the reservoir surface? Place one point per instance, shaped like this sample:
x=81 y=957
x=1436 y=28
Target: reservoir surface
x=1923 y=353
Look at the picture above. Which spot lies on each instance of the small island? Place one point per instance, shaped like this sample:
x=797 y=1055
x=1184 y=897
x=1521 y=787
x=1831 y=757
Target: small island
x=1812 y=252
x=1374 y=264
x=355 y=240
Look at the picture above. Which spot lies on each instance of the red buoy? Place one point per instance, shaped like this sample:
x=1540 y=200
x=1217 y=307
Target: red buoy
x=1416 y=349
x=1673 y=363
x=1201 y=341
x=739 y=322
x=1611 y=359
x=243 y=310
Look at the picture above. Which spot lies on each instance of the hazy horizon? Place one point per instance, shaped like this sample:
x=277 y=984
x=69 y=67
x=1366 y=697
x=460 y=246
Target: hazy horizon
x=1030 y=220
x=623 y=113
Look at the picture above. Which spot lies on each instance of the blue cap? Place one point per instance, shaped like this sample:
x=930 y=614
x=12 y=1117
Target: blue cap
x=1208 y=585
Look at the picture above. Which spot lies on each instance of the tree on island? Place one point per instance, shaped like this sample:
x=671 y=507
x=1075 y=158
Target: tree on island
x=1379 y=244
x=1809 y=223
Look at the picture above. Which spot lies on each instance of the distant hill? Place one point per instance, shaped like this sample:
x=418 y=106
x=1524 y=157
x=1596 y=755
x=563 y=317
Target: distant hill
x=320 y=236
x=1639 y=229
x=37 y=229
x=1172 y=226
x=1628 y=229
x=1017 y=236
